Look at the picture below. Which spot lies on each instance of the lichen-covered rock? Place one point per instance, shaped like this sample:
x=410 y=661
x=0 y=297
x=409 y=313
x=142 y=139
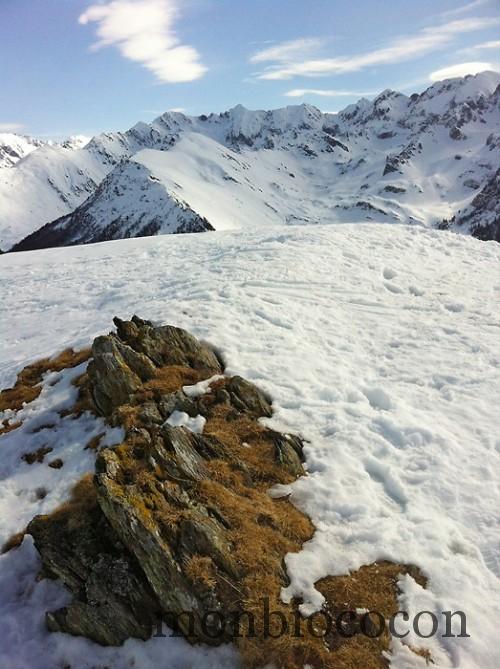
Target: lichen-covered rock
x=246 y=397
x=122 y=362
x=79 y=546
x=115 y=372
x=172 y=521
x=167 y=345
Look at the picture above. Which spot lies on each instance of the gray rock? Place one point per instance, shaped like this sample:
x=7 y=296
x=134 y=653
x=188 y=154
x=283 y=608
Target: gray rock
x=112 y=601
x=177 y=453
x=112 y=381
x=167 y=345
x=288 y=452
x=247 y=398
x=177 y=401
x=150 y=414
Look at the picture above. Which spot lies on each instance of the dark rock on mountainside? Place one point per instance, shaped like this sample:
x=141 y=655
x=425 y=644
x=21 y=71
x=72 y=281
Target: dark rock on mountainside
x=482 y=217
x=172 y=521
x=91 y=222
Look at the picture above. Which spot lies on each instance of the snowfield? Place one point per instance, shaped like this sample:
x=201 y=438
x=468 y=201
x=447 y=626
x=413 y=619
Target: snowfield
x=380 y=345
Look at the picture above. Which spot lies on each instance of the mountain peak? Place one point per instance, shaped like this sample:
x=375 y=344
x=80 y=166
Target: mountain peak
x=394 y=158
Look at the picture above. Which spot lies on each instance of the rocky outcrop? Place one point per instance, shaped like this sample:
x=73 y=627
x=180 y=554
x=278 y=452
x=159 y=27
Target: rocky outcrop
x=481 y=218
x=121 y=363
x=173 y=524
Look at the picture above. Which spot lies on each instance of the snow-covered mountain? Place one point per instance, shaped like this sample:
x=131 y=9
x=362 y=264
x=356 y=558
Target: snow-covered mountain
x=418 y=159
x=13 y=147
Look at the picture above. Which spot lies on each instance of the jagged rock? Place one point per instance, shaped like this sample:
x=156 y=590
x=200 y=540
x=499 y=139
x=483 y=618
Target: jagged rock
x=177 y=401
x=177 y=452
x=481 y=217
x=114 y=602
x=246 y=397
x=115 y=373
x=394 y=189
x=157 y=532
x=121 y=363
x=160 y=547
x=456 y=133
x=288 y=452
x=167 y=345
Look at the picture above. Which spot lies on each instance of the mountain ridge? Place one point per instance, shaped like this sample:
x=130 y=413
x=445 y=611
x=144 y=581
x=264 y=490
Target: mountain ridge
x=415 y=159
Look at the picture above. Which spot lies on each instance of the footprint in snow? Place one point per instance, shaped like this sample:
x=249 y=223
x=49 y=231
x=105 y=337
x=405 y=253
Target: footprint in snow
x=392 y=287
x=416 y=291
x=389 y=273
x=378 y=399
x=454 y=307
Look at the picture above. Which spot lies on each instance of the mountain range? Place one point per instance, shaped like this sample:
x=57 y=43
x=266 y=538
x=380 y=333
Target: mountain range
x=429 y=159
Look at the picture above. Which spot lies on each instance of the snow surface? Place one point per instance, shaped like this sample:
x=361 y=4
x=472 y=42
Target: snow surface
x=379 y=345
x=182 y=419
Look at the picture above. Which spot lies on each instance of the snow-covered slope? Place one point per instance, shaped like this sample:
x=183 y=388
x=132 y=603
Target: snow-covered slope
x=14 y=147
x=413 y=159
x=75 y=142
x=381 y=346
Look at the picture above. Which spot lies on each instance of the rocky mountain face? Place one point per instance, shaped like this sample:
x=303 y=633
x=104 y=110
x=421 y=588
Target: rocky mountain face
x=481 y=217
x=417 y=159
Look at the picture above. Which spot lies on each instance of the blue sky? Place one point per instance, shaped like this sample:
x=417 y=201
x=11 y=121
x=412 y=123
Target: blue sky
x=85 y=66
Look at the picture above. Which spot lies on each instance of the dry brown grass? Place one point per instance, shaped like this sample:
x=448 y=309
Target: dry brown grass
x=94 y=443
x=13 y=542
x=82 y=502
x=36 y=456
x=168 y=379
x=200 y=569
x=5 y=427
x=27 y=387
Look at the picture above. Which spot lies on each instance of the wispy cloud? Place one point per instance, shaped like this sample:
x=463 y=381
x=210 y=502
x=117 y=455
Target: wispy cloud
x=461 y=70
x=11 y=127
x=286 y=52
x=143 y=31
x=326 y=93
x=401 y=49
x=465 y=8
x=484 y=46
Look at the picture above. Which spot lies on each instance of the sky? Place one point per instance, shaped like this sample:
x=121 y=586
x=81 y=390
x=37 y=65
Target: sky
x=88 y=66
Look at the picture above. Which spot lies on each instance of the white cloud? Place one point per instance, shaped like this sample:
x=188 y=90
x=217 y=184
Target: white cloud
x=11 y=127
x=327 y=93
x=287 y=51
x=401 y=49
x=143 y=31
x=493 y=44
x=465 y=8
x=461 y=70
